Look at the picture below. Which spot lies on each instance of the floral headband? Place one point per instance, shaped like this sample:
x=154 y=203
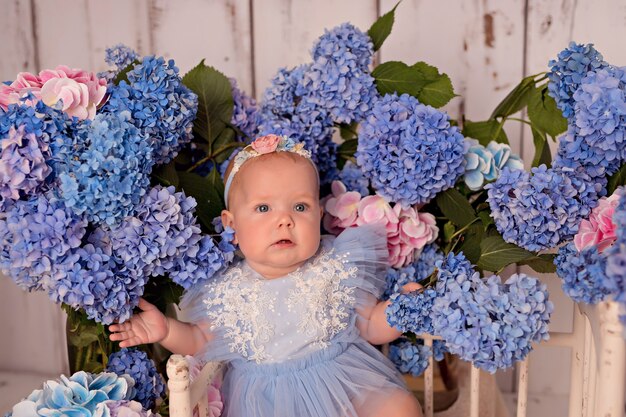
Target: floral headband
x=261 y=146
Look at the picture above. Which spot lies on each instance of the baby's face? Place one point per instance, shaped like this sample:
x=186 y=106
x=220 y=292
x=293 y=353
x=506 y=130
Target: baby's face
x=275 y=212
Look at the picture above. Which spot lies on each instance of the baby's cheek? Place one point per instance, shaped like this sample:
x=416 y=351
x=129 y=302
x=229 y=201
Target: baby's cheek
x=411 y=286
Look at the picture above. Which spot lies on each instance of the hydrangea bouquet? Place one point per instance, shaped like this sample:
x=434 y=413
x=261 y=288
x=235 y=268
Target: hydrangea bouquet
x=110 y=184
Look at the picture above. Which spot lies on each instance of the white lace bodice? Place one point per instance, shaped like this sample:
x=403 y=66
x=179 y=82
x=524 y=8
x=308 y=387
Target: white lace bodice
x=284 y=318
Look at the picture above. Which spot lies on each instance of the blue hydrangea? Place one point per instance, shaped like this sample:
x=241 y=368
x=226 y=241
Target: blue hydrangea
x=161 y=106
x=120 y=56
x=353 y=178
x=163 y=237
x=567 y=72
x=227 y=237
x=104 y=171
x=411 y=312
x=408 y=357
x=246 y=114
x=490 y=323
x=76 y=396
x=409 y=150
x=122 y=408
x=421 y=268
x=539 y=211
x=483 y=164
x=337 y=85
x=345 y=43
x=280 y=99
x=37 y=236
x=583 y=273
x=439 y=349
x=450 y=268
x=149 y=384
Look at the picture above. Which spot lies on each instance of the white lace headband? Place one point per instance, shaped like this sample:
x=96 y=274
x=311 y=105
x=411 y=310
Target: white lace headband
x=261 y=146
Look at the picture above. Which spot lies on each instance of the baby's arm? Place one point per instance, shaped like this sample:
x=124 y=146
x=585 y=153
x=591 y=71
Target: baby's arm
x=375 y=328
x=152 y=326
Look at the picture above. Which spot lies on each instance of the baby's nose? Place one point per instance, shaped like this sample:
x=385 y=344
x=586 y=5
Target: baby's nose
x=285 y=220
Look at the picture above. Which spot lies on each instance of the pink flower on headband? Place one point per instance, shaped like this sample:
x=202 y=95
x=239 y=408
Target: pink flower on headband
x=266 y=144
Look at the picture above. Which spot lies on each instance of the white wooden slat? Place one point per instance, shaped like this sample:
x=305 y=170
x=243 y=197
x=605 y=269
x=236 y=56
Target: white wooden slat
x=479 y=44
x=522 y=388
x=219 y=31
x=285 y=30
x=474 y=392
x=428 y=381
x=18 y=47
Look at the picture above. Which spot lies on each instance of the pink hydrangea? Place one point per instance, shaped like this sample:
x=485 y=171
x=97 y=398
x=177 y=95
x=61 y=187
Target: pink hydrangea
x=599 y=229
x=24 y=84
x=216 y=402
x=415 y=230
x=375 y=209
x=341 y=208
x=80 y=91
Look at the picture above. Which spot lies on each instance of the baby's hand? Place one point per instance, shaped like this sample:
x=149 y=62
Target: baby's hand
x=410 y=287
x=149 y=326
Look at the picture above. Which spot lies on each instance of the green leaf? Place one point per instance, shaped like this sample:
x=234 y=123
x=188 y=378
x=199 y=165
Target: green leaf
x=486 y=219
x=382 y=28
x=207 y=197
x=516 y=99
x=166 y=174
x=87 y=336
x=544 y=263
x=543 y=113
x=123 y=74
x=346 y=151
x=420 y=80
x=226 y=141
x=348 y=131
x=471 y=242
x=438 y=91
x=485 y=131
x=456 y=207
x=617 y=179
x=496 y=254
x=448 y=231
x=215 y=100
x=542 y=149
x=215 y=179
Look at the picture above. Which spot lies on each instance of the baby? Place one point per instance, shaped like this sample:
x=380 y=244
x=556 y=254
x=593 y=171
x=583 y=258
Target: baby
x=295 y=318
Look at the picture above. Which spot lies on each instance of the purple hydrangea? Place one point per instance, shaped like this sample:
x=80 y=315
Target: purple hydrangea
x=568 y=70
x=539 y=211
x=122 y=408
x=583 y=274
x=161 y=106
x=354 y=179
x=409 y=150
x=246 y=113
x=37 y=235
x=163 y=237
x=338 y=80
x=408 y=357
x=227 y=237
x=149 y=384
x=104 y=171
x=27 y=138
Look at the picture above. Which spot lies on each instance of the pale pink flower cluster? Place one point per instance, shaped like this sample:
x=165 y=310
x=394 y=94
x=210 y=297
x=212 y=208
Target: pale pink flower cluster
x=216 y=403
x=599 y=230
x=408 y=231
x=80 y=91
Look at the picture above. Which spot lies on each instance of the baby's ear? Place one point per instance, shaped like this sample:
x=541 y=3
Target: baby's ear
x=229 y=220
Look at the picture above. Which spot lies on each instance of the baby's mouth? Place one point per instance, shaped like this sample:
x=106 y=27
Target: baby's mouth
x=283 y=242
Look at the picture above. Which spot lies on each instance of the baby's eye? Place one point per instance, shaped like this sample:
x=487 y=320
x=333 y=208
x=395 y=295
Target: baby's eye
x=262 y=208
x=300 y=207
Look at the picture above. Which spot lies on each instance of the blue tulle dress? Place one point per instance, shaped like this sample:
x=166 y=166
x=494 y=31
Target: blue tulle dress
x=291 y=343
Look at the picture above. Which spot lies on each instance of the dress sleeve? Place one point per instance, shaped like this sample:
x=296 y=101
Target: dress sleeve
x=365 y=247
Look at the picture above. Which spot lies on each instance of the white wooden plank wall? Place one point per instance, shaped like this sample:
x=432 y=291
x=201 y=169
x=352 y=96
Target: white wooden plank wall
x=485 y=46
